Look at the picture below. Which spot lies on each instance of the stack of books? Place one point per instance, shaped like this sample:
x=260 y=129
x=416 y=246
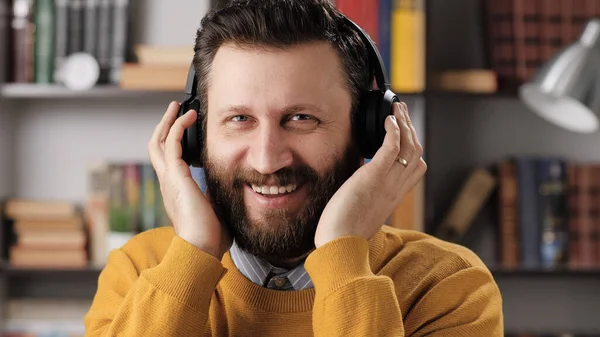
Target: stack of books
x=157 y=68
x=46 y=234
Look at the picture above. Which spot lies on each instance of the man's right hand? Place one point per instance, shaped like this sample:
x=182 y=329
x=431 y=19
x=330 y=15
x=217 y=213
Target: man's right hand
x=188 y=209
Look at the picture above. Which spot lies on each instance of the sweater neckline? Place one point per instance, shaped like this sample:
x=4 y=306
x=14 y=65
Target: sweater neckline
x=281 y=301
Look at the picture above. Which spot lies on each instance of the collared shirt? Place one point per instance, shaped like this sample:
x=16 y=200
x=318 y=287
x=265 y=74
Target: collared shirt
x=264 y=274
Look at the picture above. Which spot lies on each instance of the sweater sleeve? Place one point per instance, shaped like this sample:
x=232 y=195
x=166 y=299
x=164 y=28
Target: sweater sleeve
x=352 y=301
x=349 y=299
x=467 y=303
x=170 y=299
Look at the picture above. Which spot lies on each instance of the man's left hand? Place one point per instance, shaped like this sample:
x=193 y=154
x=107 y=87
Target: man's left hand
x=369 y=196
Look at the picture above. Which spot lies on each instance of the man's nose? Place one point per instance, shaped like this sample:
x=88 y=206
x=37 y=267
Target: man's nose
x=269 y=150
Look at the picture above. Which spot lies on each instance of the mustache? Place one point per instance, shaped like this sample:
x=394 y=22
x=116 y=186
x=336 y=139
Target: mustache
x=284 y=176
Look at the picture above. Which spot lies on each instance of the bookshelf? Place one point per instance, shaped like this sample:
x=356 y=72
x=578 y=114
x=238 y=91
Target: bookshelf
x=460 y=131
x=471 y=130
x=14 y=91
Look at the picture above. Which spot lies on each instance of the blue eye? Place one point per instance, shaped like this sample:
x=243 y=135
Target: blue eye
x=239 y=118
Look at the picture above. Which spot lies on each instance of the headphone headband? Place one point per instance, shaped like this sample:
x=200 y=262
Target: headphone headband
x=190 y=84
x=374 y=56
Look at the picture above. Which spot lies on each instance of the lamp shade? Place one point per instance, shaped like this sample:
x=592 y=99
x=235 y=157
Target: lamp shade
x=566 y=90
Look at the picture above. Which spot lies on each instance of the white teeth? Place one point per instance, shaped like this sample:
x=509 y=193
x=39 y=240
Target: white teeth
x=272 y=190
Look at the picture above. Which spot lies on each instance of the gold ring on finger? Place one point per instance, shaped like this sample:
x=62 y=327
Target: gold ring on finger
x=402 y=161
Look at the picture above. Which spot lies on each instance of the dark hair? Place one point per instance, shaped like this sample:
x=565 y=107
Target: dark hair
x=280 y=24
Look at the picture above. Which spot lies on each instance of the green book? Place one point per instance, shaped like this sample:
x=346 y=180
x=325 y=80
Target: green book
x=44 y=42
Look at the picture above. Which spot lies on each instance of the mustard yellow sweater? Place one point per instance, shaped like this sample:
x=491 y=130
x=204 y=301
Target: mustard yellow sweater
x=400 y=283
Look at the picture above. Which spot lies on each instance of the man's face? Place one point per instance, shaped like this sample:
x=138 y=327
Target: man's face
x=278 y=144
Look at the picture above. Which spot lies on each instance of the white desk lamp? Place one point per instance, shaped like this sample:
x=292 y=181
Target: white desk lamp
x=566 y=90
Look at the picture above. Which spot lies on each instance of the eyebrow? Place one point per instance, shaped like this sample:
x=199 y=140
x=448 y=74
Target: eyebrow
x=242 y=109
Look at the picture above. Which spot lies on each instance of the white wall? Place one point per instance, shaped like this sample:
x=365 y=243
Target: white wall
x=169 y=23
x=55 y=140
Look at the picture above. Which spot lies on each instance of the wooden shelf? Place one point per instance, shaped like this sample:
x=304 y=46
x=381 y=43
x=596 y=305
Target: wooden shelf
x=30 y=90
x=38 y=91
x=17 y=271
x=544 y=272
x=565 y=332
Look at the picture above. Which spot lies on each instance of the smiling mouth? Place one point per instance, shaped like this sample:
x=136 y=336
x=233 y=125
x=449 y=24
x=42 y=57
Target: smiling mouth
x=274 y=190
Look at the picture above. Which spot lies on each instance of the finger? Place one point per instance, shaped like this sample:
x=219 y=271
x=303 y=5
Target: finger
x=415 y=176
x=155 y=144
x=388 y=152
x=162 y=128
x=415 y=137
x=173 y=149
x=407 y=146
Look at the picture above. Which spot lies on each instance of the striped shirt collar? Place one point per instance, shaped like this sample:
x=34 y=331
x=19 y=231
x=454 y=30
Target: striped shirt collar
x=264 y=274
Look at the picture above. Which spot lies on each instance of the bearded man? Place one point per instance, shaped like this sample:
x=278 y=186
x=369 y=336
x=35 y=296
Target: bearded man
x=289 y=237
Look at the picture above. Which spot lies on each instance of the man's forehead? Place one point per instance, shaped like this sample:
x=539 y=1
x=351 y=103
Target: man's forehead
x=285 y=79
x=317 y=60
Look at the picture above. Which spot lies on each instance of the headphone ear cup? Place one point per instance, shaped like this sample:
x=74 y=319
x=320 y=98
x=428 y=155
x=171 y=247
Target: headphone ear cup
x=373 y=109
x=368 y=126
x=195 y=137
x=386 y=108
x=191 y=141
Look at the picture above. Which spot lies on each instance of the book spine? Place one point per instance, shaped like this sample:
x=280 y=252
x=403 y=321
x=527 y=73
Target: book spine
x=75 y=26
x=385 y=22
x=581 y=246
x=4 y=41
x=119 y=39
x=44 y=42
x=131 y=177
x=550 y=24
x=595 y=215
x=104 y=39
x=508 y=211
x=574 y=257
x=526 y=39
x=529 y=225
x=585 y=225
x=500 y=16
x=90 y=29
x=408 y=46
x=553 y=212
x=148 y=210
x=22 y=27
x=118 y=213
x=566 y=12
x=532 y=62
x=363 y=13
x=61 y=35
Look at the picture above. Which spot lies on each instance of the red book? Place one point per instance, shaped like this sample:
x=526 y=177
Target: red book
x=364 y=13
x=550 y=25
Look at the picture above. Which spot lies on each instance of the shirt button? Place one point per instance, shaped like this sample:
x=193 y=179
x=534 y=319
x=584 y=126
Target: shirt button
x=279 y=281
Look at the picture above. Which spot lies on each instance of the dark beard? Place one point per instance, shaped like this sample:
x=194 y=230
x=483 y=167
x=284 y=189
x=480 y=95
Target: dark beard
x=282 y=235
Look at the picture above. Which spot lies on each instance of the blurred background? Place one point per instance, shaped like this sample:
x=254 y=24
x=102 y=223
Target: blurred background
x=84 y=82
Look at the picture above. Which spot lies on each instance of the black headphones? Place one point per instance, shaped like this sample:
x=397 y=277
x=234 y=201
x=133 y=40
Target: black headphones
x=374 y=106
